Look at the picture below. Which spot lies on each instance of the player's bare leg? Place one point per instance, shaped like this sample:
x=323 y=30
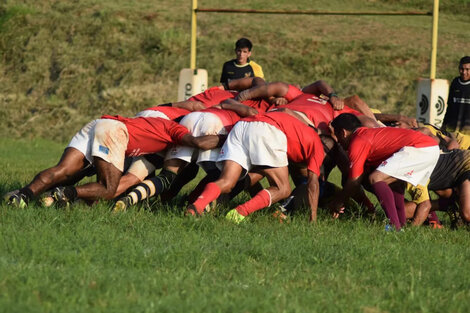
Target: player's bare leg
x=464 y=200
x=71 y=162
x=108 y=177
x=279 y=189
x=227 y=180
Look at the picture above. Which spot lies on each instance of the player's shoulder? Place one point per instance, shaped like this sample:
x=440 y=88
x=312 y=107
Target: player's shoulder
x=254 y=64
x=230 y=63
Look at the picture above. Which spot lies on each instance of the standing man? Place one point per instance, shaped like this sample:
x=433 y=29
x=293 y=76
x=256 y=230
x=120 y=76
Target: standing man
x=457 y=116
x=242 y=66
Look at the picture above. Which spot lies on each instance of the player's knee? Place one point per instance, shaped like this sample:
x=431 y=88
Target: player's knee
x=108 y=193
x=466 y=213
x=284 y=191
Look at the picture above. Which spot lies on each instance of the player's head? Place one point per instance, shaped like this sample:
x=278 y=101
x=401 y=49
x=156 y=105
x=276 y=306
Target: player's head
x=243 y=50
x=344 y=125
x=464 y=68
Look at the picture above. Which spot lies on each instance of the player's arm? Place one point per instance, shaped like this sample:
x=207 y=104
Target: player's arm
x=189 y=105
x=276 y=89
x=203 y=142
x=245 y=83
x=237 y=107
x=452 y=142
x=313 y=194
x=352 y=187
x=320 y=87
x=398 y=120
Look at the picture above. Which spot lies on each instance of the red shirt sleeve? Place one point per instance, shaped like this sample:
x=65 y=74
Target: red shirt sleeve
x=359 y=150
x=176 y=132
x=292 y=93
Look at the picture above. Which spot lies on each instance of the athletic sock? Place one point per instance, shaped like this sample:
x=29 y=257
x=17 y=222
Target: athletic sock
x=151 y=187
x=209 y=178
x=71 y=193
x=210 y=193
x=27 y=193
x=387 y=201
x=258 y=202
x=400 y=205
x=432 y=217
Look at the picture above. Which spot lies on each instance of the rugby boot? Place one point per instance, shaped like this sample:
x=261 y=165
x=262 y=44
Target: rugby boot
x=122 y=204
x=18 y=200
x=59 y=197
x=234 y=216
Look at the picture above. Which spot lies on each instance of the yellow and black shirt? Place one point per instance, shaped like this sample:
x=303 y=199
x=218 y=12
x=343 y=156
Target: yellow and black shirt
x=231 y=70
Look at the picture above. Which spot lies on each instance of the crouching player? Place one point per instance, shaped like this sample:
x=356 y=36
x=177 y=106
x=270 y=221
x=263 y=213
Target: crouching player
x=105 y=143
x=263 y=145
x=451 y=178
x=395 y=156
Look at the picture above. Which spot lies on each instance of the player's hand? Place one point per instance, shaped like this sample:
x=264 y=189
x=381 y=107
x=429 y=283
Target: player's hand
x=190 y=105
x=407 y=122
x=251 y=111
x=279 y=101
x=242 y=96
x=337 y=103
x=336 y=214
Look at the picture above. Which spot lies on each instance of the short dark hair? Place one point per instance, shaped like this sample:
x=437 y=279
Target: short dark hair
x=465 y=60
x=347 y=121
x=243 y=43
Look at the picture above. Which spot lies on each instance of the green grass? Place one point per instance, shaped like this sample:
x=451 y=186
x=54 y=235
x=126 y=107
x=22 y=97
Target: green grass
x=65 y=62
x=85 y=259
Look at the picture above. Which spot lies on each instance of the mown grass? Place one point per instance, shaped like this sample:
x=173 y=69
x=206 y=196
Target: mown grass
x=84 y=259
x=64 y=63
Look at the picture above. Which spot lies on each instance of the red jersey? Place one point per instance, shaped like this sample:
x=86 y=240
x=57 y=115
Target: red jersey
x=228 y=118
x=150 y=134
x=372 y=146
x=172 y=112
x=213 y=96
x=318 y=110
x=303 y=143
x=292 y=93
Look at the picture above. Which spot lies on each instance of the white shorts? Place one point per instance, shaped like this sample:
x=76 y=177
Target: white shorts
x=410 y=164
x=151 y=113
x=198 y=124
x=103 y=138
x=255 y=143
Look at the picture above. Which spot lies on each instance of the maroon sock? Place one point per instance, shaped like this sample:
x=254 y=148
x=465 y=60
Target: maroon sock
x=432 y=217
x=387 y=201
x=400 y=204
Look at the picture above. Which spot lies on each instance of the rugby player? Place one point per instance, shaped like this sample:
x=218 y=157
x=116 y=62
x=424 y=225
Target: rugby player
x=105 y=143
x=394 y=155
x=452 y=172
x=216 y=120
x=262 y=145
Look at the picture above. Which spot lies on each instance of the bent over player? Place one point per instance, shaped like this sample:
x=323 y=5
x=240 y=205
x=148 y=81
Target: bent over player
x=105 y=143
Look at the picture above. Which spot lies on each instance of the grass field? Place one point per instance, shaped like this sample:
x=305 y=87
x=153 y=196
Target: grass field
x=66 y=62
x=85 y=259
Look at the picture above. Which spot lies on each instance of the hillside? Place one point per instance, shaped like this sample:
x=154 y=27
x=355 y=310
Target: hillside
x=66 y=62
